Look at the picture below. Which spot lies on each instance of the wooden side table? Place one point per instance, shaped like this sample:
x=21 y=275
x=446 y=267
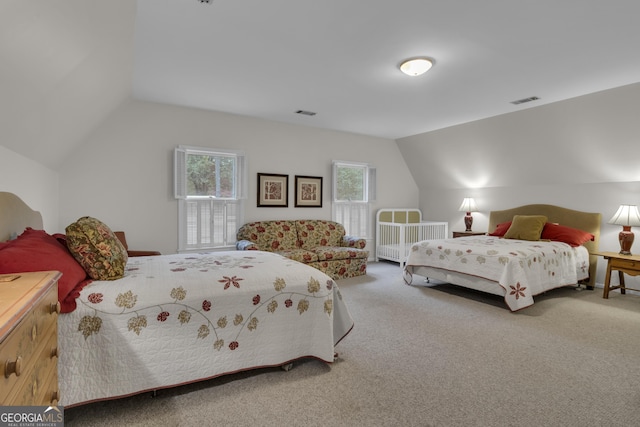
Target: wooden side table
x=467 y=233
x=629 y=264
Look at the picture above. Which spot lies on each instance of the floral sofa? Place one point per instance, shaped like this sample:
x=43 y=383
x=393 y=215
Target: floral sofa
x=318 y=243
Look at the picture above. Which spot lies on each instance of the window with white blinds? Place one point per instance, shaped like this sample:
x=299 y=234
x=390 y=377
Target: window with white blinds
x=353 y=190
x=209 y=186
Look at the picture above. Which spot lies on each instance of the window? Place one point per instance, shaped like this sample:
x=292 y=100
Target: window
x=209 y=186
x=353 y=190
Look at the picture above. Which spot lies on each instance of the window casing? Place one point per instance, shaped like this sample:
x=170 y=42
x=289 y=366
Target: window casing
x=210 y=188
x=353 y=192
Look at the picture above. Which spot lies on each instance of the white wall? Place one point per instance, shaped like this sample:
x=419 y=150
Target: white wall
x=123 y=173
x=65 y=65
x=34 y=183
x=583 y=154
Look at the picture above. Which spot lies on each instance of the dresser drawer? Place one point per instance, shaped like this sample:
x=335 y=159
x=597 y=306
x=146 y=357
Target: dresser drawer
x=25 y=351
x=34 y=384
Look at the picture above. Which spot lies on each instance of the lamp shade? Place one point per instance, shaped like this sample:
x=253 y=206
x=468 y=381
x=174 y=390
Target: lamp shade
x=627 y=215
x=468 y=205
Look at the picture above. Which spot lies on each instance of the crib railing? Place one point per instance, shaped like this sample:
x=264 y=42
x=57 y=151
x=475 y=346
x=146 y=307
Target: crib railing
x=394 y=240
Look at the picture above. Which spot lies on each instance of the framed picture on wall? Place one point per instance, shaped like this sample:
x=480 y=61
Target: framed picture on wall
x=308 y=191
x=273 y=190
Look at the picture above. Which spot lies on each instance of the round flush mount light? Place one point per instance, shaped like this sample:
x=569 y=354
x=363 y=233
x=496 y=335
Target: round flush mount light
x=416 y=66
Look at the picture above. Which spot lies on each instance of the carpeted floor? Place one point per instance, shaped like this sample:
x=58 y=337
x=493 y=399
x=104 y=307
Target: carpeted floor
x=429 y=356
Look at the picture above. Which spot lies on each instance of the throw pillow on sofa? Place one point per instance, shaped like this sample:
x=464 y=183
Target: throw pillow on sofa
x=96 y=248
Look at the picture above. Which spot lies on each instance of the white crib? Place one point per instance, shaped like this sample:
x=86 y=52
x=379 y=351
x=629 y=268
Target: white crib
x=398 y=229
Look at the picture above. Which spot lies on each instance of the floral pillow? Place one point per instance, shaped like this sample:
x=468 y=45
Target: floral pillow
x=96 y=248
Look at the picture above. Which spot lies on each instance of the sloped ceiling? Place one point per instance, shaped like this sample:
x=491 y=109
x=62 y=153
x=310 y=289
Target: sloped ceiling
x=64 y=66
x=340 y=58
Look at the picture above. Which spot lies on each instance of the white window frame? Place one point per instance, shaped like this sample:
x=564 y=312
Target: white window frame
x=208 y=222
x=354 y=215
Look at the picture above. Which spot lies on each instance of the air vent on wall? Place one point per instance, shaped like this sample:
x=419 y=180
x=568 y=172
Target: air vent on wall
x=522 y=101
x=306 y=113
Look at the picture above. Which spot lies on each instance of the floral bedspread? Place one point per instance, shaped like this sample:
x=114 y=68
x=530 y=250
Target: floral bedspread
x=523 y=268
x=175 y=319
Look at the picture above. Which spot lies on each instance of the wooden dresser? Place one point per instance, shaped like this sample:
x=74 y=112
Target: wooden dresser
x=29 y=311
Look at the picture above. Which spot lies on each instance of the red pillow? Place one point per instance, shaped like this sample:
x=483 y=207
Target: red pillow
x=501 y=229
x=568 y=235
x=35 y=250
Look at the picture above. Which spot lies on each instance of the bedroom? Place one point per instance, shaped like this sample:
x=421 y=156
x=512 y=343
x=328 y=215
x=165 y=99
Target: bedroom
x=585 y=153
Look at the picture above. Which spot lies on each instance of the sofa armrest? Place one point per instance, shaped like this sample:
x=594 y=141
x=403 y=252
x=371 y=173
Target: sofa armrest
x=245 y=245
x=353 y=242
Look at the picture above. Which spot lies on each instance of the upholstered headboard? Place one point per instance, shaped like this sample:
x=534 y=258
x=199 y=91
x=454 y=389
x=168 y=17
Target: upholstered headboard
x=15 y=216
x=586 y=221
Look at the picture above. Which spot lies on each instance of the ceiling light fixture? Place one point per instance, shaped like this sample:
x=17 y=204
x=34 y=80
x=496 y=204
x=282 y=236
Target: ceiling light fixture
x=416 y=66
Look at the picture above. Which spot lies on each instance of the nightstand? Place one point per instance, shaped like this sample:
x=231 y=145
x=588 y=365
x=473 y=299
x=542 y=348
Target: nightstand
x=467 y=233
x=629 y=264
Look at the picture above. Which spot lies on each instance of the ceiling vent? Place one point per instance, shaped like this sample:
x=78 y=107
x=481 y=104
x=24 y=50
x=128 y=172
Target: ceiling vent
x=522 y=101
x=306 y=113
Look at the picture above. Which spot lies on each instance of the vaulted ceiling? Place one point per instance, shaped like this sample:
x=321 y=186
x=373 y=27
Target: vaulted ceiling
x=339 y=58
x=66 y=64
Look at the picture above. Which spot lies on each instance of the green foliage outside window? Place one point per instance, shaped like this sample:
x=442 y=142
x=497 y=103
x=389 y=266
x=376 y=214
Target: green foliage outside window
x=210 y=175
x=350 y=183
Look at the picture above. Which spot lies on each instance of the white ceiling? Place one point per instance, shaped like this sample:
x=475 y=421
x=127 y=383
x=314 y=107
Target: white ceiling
x=339 y=58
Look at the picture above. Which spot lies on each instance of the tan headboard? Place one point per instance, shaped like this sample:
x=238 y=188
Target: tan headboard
x=15 y=216
x=587 y=221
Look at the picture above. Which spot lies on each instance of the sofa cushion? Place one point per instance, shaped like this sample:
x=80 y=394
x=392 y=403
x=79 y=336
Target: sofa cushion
x=341 y=269
x=301 y=255
x=270 y=236
x=314 y=233
x=331 y=253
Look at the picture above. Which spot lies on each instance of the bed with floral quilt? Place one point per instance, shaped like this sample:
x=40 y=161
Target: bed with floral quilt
x=175 y=319
x=160 y=321
x=530 y=250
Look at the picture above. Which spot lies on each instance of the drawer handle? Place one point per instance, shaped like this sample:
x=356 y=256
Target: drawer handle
x=13 y=367
x=54 y=352
x=55 y=396
x=34 y=333
x=55 y=308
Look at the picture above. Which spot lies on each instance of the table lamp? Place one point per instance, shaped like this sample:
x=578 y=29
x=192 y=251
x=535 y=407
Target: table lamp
x=468 y=205
x=627 y=216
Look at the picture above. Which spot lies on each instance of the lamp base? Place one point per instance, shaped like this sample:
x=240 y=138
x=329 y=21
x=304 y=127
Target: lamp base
x=626 y=238
x=468 y=221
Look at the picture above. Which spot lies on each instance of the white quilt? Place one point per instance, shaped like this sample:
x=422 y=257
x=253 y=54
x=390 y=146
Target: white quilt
x=176 y=319
x=522 y=268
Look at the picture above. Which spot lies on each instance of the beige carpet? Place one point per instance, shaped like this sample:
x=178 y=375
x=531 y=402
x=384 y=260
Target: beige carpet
x=429 y=356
